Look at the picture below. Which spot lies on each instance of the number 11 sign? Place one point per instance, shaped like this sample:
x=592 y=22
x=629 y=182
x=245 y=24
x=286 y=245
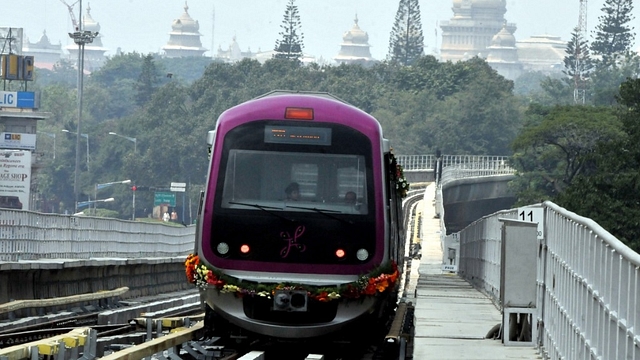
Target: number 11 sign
x=533 y=214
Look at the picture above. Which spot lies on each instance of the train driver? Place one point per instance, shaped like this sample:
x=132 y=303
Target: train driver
x=293 y=191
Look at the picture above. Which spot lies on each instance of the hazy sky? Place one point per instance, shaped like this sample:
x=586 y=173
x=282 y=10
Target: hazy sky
x=144 y=25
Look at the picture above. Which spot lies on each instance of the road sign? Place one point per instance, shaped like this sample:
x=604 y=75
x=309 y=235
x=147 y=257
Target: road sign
x=178 y=187
x=164 y=198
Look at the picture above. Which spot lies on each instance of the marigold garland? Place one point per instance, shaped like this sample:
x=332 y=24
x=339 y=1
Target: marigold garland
x=402 y=185
x=376 y=282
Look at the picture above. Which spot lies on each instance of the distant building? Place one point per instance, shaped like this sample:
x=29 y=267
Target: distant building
x=45 y=54
x=93 y=52
x=471 y=30
x=478 y=28
x=233 y=53
x=184 y=38
x=542 y=53
x=503 y=54
x=354 y=48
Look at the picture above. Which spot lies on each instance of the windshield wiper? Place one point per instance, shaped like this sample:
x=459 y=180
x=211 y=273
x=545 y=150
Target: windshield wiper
x=263 y=208
x=325 y=212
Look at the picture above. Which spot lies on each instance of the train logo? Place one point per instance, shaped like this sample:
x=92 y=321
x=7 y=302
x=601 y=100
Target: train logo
x=293 y=241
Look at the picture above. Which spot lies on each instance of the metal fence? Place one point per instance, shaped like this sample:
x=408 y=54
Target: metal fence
x=26 y=235
x=428 y=162
x=588 y=283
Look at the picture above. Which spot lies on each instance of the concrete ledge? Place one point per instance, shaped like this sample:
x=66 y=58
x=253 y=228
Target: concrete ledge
x=46 y=279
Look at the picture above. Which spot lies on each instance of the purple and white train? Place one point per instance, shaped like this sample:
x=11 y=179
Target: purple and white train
x=307 y=264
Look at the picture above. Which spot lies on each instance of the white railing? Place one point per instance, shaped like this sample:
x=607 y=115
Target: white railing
x=463 y=167
x=416 y=162
x=26 y=235
x=588 y=283
x=428 y=162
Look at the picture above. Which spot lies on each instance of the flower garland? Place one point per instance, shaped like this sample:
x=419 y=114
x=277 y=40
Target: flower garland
x=376 y=282
x=402 y=185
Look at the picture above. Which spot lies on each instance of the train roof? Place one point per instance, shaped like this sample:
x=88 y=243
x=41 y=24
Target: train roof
x=323 y=94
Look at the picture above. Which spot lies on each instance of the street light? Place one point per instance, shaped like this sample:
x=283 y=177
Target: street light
x=102 y=186
x=81 y=38
x=52 y=135
x=80 y=204
x=128 y=138
x=86 y=136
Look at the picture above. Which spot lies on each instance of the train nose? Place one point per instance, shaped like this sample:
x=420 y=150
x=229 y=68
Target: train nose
x=290 y=300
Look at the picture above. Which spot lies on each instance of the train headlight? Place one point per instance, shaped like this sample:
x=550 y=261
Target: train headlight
x=244 y=249
x=222 y=248
x=362 y=254
x=340 y=253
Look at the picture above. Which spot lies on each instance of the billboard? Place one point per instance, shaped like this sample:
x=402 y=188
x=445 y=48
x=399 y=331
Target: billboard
x=15 y=179
x=17 y=141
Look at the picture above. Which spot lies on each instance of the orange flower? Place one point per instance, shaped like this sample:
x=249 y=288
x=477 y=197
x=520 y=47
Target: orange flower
x=323 y=297
x=190 y=265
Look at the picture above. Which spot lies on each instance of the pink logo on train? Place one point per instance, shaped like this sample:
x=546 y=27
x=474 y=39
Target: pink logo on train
x=292 y=241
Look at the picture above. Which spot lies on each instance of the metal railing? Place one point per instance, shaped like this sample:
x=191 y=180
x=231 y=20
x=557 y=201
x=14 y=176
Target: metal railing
x=588 y=283
x=26 y=235
x=428 y=162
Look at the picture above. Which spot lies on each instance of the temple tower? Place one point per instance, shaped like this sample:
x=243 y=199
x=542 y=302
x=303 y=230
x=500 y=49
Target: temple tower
x=354 y=48
x=184 y=38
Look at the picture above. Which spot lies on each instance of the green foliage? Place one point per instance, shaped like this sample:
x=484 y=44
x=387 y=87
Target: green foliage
x=555 y=145
x=613 y=33
x=464 y=107
x=578 y=65
x=290 y=45
x=406 y=43
x=147 y=81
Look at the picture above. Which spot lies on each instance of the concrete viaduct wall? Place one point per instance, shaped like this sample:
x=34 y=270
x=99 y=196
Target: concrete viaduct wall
x=467 y=200
x=45 y=279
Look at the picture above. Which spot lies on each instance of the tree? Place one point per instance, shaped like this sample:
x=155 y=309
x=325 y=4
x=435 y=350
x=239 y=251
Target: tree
x=291 y=43
x=147 y=81
x=578 y=64
x=608 y=195
x=553 y=149
x=406 y=43
x=613 y=34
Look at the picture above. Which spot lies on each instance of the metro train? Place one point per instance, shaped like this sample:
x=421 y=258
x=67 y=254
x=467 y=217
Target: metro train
x=299 y=231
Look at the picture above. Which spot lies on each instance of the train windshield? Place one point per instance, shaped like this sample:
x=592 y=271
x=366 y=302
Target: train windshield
x=295 y=181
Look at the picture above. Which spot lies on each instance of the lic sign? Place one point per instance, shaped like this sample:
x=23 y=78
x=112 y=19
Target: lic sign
x=18 y=99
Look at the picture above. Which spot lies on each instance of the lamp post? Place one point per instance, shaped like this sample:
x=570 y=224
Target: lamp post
x=86 y=136
x=81 y=38
x=51 y=135
x=134 y=140
x=80 y=204
x=102 y=186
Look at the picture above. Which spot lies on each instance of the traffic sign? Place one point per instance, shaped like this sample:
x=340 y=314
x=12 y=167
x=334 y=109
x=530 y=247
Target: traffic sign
x=164 y=198
x=178 y=187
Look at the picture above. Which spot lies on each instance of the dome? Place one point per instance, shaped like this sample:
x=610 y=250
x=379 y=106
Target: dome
x=504 y=38
x=356 y=35
x=185 y=23
x=88 y=23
